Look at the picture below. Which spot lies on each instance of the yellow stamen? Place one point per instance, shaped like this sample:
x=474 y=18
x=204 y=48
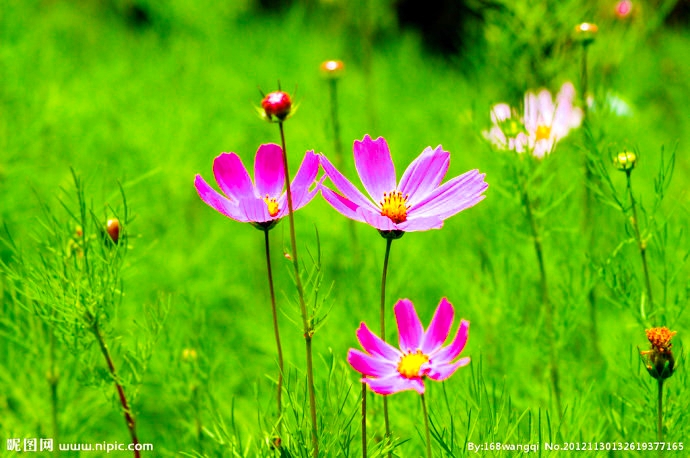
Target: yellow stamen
x=410 y=364
x=394 y=205
x=543 y=132
x=272 y=205
x=660 y=338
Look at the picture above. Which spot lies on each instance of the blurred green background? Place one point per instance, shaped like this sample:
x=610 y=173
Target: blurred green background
x=146 y=94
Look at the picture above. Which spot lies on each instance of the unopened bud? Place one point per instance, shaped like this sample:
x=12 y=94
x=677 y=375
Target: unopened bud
x=113 y=229
x=189 y=355
x=277 y=104
x=625 y=161
x=586 y=32
x=624 y=8
x=332 y=69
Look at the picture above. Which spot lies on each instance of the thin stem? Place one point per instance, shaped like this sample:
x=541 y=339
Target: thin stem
x=389 y=241
x=426 y=427
x=660 y=412
x=129 y=418
x=337 y=147
x=364 y=420
x=308 y=331
x=546 y=300
x=197 y=418
x=584 y=78
x=641 y=244
x=53 y=379
x=276 y=332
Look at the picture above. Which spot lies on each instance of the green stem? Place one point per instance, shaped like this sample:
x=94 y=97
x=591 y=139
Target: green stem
x=337 y=147
x=364 y=420
x=276 y=332
x=426 y=427
x=306 y=322
x=129 y=418
x=389 y=241
x=53 y=379
x=546 y=300
x=641 y=244
x=660 y=412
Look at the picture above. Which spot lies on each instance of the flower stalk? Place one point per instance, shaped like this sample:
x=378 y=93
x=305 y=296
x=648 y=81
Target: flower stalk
x=545 y=298
x=426 y=427
x=641 y=243
x=389 y=242
x=306 y=321
x=660 y=411
x=129 y=417
x=276 y=332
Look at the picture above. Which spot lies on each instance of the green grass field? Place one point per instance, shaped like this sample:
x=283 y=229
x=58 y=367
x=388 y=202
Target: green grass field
x=139 y=110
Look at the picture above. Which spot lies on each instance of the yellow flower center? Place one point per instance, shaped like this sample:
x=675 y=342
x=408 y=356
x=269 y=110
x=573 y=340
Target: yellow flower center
x=543 y=132
x=410 y=364
x=394 y=205
x=272 y=205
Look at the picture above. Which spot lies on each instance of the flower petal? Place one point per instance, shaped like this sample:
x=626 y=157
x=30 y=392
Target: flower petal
x=453 y=196
x=441 y=372
x=410 y=330
x=438 y=330
x=341 y=204
x=231 y=176
x=218 y=202
x=375 y=166
x=374 y=345
x=394 y=384
x=424 y=174
x=380 y=222
x=343 y=185
x=449 y=353
x=500 y=112
x=421 y=224
x=255 y=209
x=370 y=366
x=300 y=185
x=269 y=173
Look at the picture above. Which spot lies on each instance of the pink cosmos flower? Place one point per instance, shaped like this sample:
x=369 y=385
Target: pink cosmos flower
x=544 y=123
x=265 y=202
x=388 y=370
x=416 y=203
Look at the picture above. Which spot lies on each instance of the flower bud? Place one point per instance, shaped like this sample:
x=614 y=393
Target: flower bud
x=625 y=161
x=332 y=69
x=189 y=355
x=113 y=229
x=278 y=104
x=659 y=360
x=623 y=9
x=586 y=32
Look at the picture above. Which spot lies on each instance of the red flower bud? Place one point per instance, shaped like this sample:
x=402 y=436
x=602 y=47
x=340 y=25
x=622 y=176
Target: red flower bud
x=113 y=229
x=277 y=104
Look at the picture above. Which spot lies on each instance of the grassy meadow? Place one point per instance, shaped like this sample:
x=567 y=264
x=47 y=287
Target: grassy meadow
x=107 y=110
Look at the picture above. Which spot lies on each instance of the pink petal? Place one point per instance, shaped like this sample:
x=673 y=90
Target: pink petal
x=341 y=204
x=255 y=209
x=216 y=201
x=375 y=219
x=269 y=173
x=453 y=196
x=500 y=112
x=375 y=166
x=344 y=186
x=232 y=177
x=300 y=185
x=394 y=384
x=421 y=224
x=410 y=330
x=441 y=372
x=370 y=366
x=374 y=345
x=452 y=351
x=438 y=330
x=424 y=174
